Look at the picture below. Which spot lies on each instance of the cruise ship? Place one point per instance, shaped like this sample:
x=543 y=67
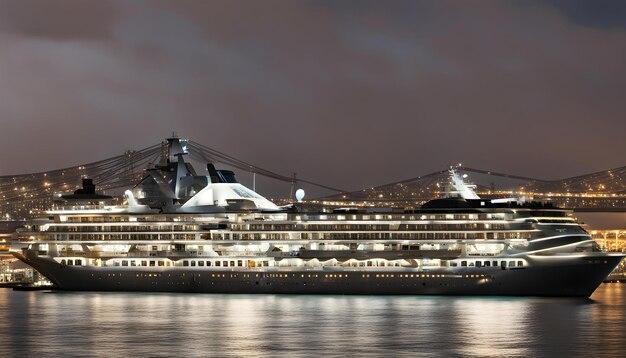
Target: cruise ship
x=183 y=231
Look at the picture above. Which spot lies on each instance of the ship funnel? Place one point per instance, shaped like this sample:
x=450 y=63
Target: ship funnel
x=458 y=187
x=181 y=172
x=131 y=198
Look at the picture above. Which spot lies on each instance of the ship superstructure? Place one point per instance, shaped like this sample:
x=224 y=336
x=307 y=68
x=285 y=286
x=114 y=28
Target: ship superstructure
x=185 y=232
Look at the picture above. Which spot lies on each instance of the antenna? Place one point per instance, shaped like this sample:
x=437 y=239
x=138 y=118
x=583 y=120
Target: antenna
x=293 y=183
x=253 y=179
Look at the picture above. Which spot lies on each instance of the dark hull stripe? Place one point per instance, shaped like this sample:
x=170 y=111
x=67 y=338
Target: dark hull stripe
x=575 y=276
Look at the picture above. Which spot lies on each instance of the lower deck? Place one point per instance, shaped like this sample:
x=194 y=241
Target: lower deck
x=569 y=276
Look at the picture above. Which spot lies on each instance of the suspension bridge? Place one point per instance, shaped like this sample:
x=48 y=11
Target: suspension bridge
x=22 y=195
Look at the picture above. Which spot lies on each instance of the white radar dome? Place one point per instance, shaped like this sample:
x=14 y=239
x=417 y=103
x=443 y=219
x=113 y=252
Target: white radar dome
x=299 y=194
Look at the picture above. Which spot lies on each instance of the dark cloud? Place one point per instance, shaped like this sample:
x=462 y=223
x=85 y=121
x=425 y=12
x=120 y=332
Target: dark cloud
x=601 y=14
x=59 y=19
x=352 y=94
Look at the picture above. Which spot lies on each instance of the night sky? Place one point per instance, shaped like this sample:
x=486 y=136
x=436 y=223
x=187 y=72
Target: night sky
x=347 y=93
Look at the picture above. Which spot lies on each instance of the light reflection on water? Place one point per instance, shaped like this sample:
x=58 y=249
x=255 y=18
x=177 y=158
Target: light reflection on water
x=159 y=324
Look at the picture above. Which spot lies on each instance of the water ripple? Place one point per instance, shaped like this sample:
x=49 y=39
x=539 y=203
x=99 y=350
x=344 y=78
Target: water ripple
x=163 y=325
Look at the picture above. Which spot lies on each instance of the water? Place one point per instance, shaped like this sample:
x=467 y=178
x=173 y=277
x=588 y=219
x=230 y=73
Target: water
x=52 y=324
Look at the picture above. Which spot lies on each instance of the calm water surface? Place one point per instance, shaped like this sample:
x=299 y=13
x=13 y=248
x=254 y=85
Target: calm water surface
x=53 y=324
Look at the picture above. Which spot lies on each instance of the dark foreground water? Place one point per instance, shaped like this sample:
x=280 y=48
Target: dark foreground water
x=55 y=324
